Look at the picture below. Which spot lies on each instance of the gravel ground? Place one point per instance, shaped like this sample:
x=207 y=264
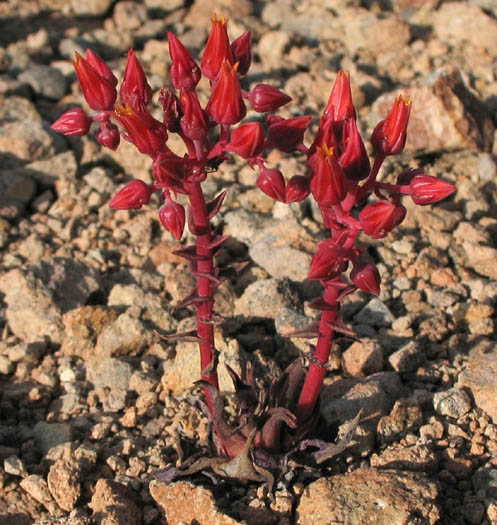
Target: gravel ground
x=93 y=402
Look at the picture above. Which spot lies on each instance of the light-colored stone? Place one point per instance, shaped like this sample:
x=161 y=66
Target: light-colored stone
x=366 y=496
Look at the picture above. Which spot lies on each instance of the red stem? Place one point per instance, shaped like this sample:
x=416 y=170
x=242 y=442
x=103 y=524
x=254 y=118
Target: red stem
x=315 y=375
x=205 y=288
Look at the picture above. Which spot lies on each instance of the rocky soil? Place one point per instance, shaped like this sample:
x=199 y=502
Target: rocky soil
x=93 y=402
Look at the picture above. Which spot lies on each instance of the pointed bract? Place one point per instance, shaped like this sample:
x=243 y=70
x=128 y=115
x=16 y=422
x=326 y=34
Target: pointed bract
x=100 y=66
x=132 y=197
x=287 y=134
x=242 y=52
x=340 y=105
x=99 y=92
x=389 y=136
x=354 y=159
x=74 y=122
x=185 y=72
x=146 y=133
x=135 y=90
x=217 y=50
x=328 y=185
x=226 y=104
x=247 y=140
x=194 y=123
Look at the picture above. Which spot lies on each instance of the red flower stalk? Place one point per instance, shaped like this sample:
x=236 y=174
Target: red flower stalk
x=242 y=52
x=226 y=105
x=389 y=136
x=266 y=98
x=99 y=91
x=287 y=134
x=185 y=72
x=132 y=197
x=426 y=189
x=340 y=106
x=74 y=122
x=217 y=49
x=108 y=135
x=272 y=183
x=380 y=218
x=194 y=122
x=172 y=217
x=247 y=140
x=354 y=159
x=146 y=133
x=366 y=277
x=329 y=184
x=135 y=91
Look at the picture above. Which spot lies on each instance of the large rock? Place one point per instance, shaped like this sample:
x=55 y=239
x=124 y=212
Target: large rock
x=37 y=296
x=480 y=376
x=113 y=503
x=367 y=496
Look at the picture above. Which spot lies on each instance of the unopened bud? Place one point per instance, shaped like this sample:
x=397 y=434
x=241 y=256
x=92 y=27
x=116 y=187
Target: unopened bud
x=327 y=263
x=380 y=218
x=172 y=217
x=287 y=134
x=272 y=183
x=74 y=122
x=297 y=189
x=366 y=277
x=266 y=98
x=426 y=189
x=242 y=52
x=132 y=197
x=389 y=136
x=108 y=135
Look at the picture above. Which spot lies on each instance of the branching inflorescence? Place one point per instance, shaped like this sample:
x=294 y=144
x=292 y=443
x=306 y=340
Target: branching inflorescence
x=338 y=175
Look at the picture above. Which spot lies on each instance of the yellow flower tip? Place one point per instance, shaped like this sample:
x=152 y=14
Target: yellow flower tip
x=406 y=100
x=325 y=151
x=123 y=110
x=215 y=20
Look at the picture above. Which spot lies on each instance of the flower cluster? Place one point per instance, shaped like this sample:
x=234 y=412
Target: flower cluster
x=338 y=175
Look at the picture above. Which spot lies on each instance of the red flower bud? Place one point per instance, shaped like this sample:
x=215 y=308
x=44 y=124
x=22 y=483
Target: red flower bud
x=185 y=72
x=132 y=197
x=340 y=106
x=287 y=134
x=135 y=91
x=297 y=189
x=366 y=277
x=194 y=123
x=426 y=189
x=354 y=159
x=172 y=217
x=242 y=52
x=389 y=136
x=168 y=166
x=266 y=98
x=146 y=133
x=226 y=105
x=381 y=217
x=327 y=263
x=108 y=135
x=272 y=183
x=99 y=91
x=74 y=122
x=97 y=63
x=328 y=185
x=247 y=140
x=217 y=50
